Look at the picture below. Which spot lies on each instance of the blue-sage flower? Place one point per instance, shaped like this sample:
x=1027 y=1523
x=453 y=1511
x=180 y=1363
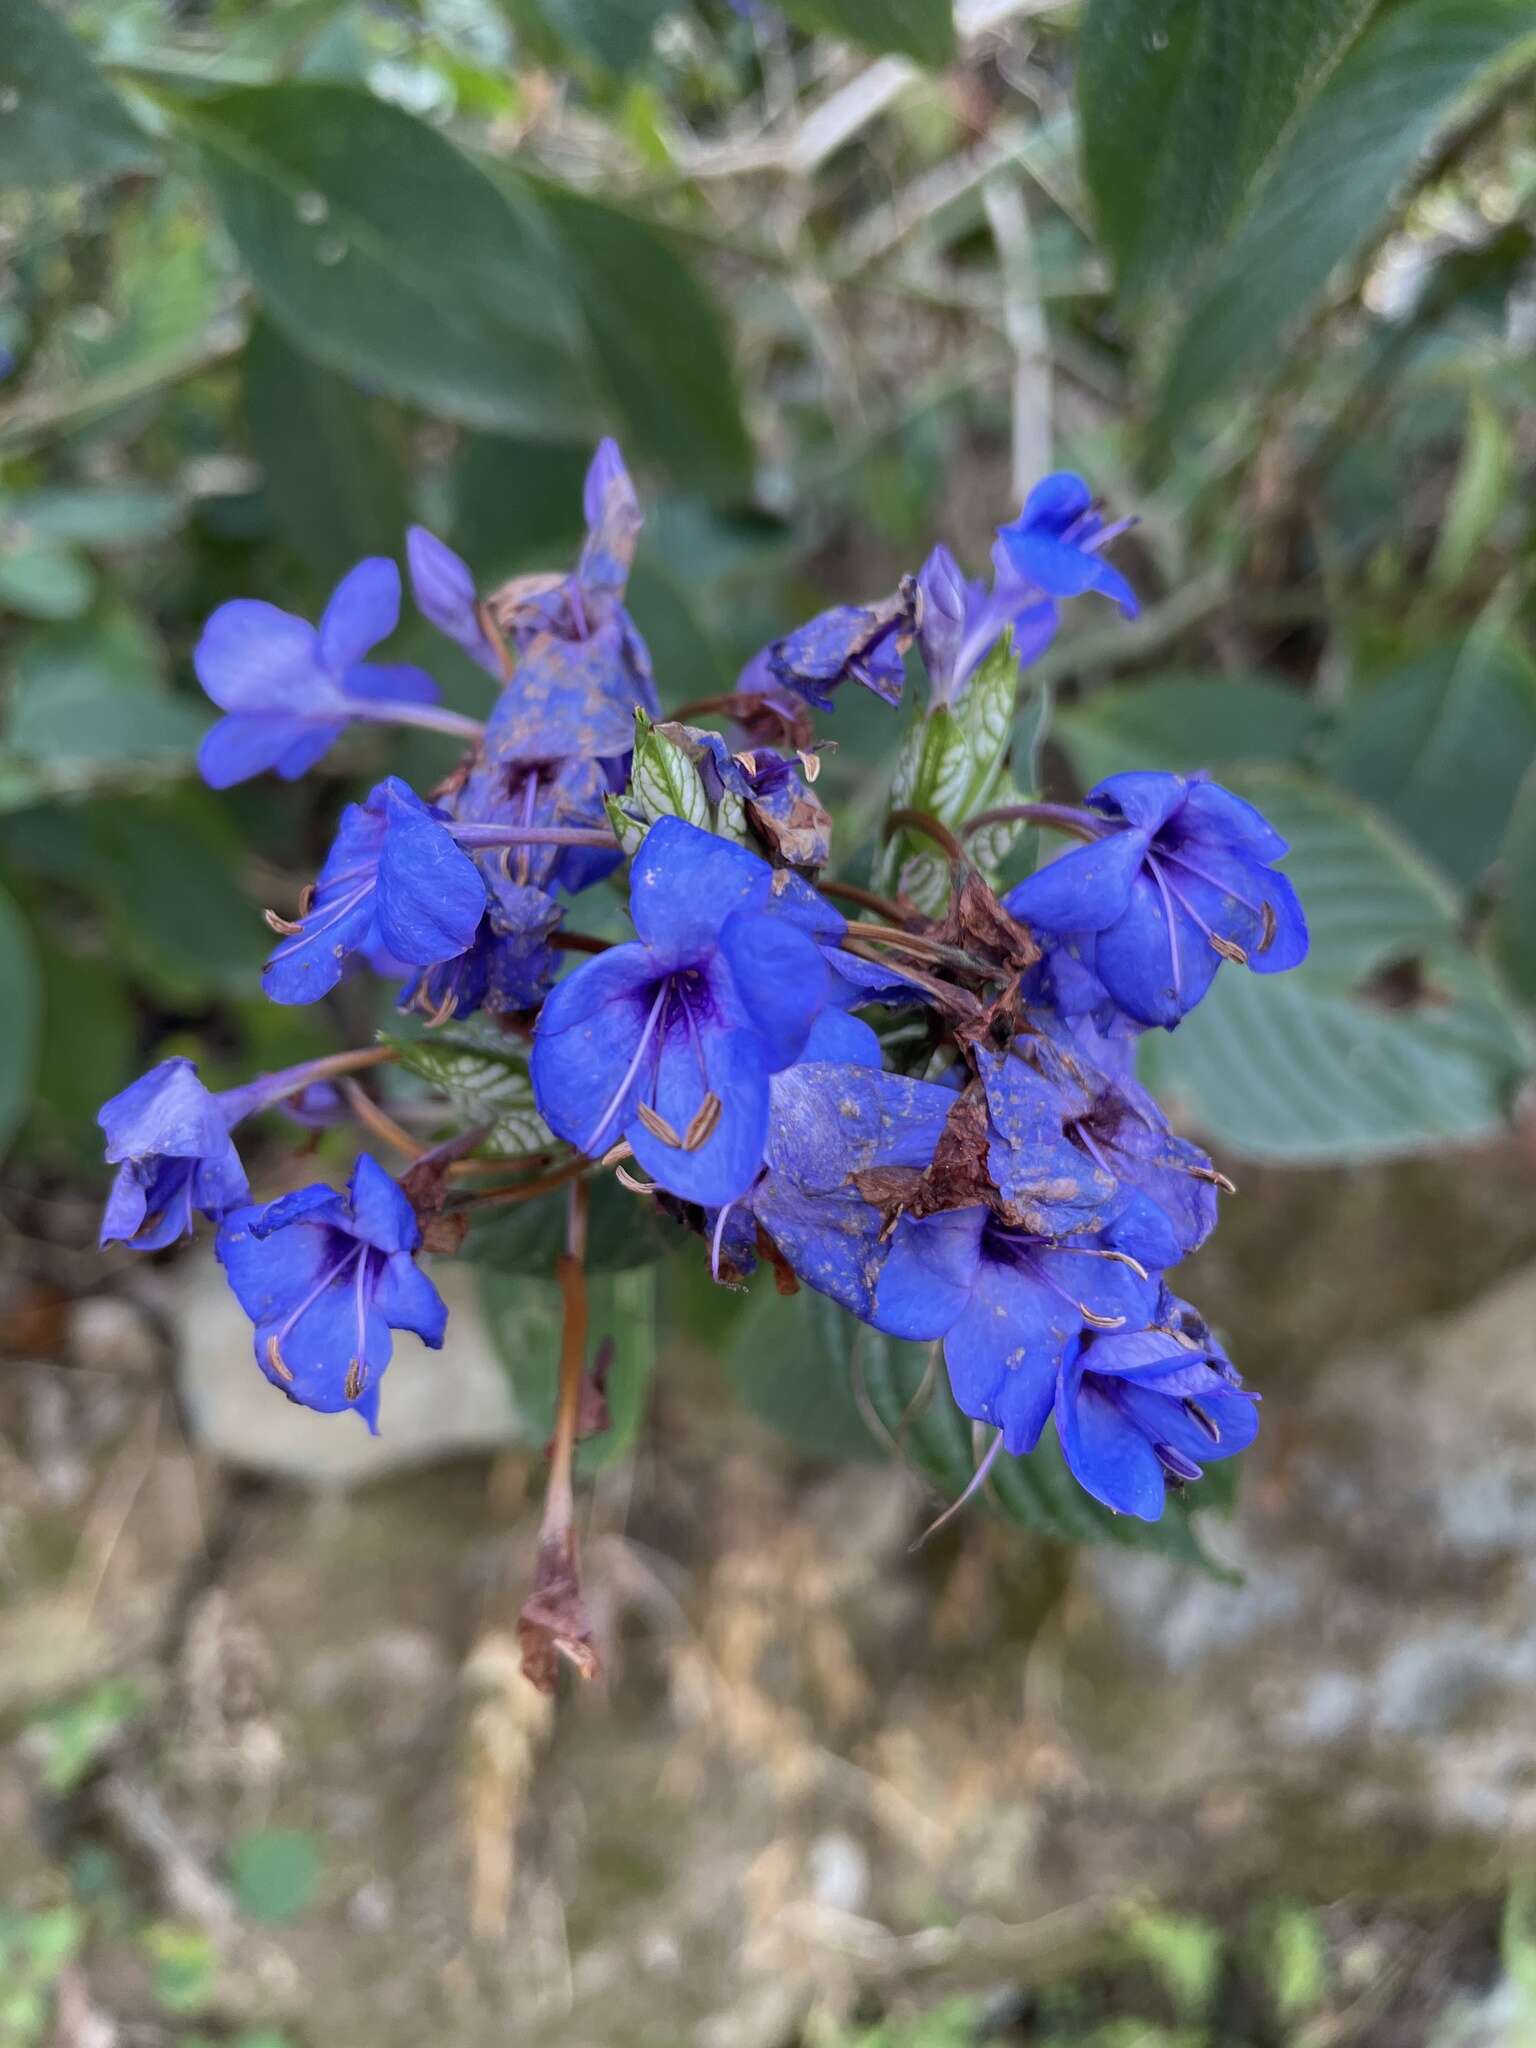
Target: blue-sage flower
x=861 y=643
x=582 y=667
x=1176 y=878
x=1008 y=1305
x=1066 y=1133
x=510 y=966
x=1139 y=1410
x=168 y=1136
x=834 y=1118
x=394 y=879
x=325 y=1278
x=1054 y=544
x=291 y=689
x=962 y=621
x=669 y=1042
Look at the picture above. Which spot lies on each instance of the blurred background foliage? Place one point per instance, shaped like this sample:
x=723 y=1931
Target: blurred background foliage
x=844 y=277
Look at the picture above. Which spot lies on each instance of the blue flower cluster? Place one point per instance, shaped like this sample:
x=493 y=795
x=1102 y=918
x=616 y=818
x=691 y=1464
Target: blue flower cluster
x=1017 y=1196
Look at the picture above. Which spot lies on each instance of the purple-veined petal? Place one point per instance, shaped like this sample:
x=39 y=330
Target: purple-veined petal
x=1155 y=967
x=731 y=1065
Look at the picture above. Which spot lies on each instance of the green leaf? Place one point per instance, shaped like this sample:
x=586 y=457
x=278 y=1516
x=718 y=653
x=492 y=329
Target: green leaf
x=484 y=1074
x=86 y=720
x=524 y=1316
x=658 y=341
x=60 y=122
x=335 y=485
x=1441 y=744
x=382 y=252
x=616 y=32
x=115 y=516
x=1515 y=920
x=186 y=1967
x=663 y=781
x=516 y=504
x=1183 y=723
x=923 y=29
x=1183 y=1952
x=952 y=765
x=1183 y=105
x=623 y=1231
x=73 y=1736
x=906 y=1387
x=21 y=1002
x=43 y=580
x=1480 y=494
x=86 y=1053
x=788 y=1361
x=1343 y=166
x=275 y=1873
x=1292 y=1945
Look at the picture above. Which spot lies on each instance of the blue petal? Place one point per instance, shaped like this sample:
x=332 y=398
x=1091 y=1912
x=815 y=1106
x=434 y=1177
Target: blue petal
x=407 y=1300
x=309 y=964
x=167 y=1110
x=732 y=1065
x=314 y=1204
x=396 y=682
x=838 y=1037
x=1289 y=945
x=1154 y=970
x=431 y=896
x=569 y=697
x=1056 y=503
x=364 y=609
x=795 y=899
x=929 y=1273
x=249 y=743
x=780 y=978
x=253 y=657
x=613 y=516
x=831 y=1241
x=445 y=594
x=381 y=1214
x=1217 y=816
x=588 y=1033
x=1146 y=797
x=685 y=883
x=1085 y=890
x=1003 y=1354
x=1107 y=1455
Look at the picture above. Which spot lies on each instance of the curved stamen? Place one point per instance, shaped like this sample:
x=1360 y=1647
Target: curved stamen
x=1173 y=937
x=978 y=1479
x=615 y=1101
x=307 y=931
x=275 y=1341
x=1229 y=949
x=715 y=1239
x=1183 y=861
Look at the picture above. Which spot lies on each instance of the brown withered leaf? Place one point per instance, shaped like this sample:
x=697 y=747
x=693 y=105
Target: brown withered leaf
x=553 y=1623
x=801 y=840
x=444 y=1234
x=957 y=1178
x=770 y=720
x=977 y=922
x=592 y=1417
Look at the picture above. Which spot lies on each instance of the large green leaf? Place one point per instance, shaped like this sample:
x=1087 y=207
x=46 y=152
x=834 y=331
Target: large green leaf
x=923 y=29
x=1441 y=745
x=1183 y=104
x=1183 y=723
x=788 y=1361
x=657 y=338
x=1342 y=167
x=1515 y=925
x=382 y=252
x=60 y=122
x=524 y=1315
x=21 y=996
x=484 y=1074
x=1329 y=1063
x=333 y=481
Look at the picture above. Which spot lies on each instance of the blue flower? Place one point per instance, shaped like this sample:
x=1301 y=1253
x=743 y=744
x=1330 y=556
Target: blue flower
x=169 y=1138
x=394 y=880
x=860 y=643
x=669 y=1043
x=1054 y=544
x=962 y=621
x=582 y=667
x=836 y=1115
x=291 y=689
x=1176 y=878
x=1074 y=1147
x=509 y=967
x=325 y=1278
x=1009 y=1306
x=1140 y=1410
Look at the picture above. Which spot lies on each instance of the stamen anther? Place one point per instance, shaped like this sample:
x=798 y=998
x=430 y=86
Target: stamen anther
x=657 y=1125
x=705 y=1119
x=277 y=1362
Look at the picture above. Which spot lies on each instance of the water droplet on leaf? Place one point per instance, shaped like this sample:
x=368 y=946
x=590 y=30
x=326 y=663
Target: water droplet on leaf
x=330 y=250
x=311 y=207
x=10 y=99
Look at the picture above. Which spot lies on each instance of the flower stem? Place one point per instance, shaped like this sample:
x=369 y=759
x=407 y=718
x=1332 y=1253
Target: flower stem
x=477 y=836
x=930 y=828
x=526 y=1190
x=431 y=717
x=1057 y=817
x=866 y=899
x=919 y=943
x=368 y=1113
x=578 y=942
